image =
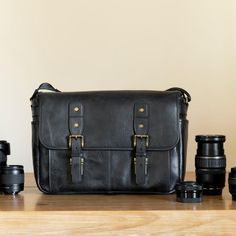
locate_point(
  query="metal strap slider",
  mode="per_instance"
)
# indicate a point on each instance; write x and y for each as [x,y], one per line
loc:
[76,136]
[141,136]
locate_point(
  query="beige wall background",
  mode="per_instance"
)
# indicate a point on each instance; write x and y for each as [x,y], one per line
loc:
[122,44]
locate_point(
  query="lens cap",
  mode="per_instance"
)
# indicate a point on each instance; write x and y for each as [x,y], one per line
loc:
[189,192]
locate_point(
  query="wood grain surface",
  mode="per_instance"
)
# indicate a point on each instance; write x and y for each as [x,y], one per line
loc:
[34,213]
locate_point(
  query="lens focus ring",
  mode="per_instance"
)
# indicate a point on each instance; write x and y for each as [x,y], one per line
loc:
[210,162]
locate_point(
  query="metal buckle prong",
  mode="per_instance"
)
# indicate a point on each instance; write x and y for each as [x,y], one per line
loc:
[76,136]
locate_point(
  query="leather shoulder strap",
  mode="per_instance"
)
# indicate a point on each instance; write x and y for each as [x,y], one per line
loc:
[185,94]
[44,86]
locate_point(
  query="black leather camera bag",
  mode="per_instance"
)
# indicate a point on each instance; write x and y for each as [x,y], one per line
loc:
[109,141]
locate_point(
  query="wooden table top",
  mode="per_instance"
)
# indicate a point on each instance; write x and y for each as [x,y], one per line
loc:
[113,214]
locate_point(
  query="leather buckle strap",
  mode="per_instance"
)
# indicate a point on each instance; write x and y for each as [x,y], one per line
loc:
[76,141]
[77,159]
[141,141]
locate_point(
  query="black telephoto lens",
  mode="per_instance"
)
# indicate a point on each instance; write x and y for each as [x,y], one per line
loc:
[232,183]
[210,163]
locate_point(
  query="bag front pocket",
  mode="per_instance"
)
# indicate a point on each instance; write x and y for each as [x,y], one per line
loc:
[94,178]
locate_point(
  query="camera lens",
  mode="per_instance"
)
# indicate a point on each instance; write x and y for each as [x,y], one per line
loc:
[4,151]
[210,163]
[188,192]
[11,179]
[12,176]
[232,183]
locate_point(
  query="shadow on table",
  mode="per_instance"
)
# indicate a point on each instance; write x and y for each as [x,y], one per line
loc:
[124,203]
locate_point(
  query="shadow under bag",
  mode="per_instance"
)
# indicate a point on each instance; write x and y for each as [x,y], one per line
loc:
[109,141]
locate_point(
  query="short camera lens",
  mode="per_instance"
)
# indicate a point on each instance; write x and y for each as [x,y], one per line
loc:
[12,176]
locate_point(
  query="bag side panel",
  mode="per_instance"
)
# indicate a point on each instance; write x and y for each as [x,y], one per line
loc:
[40,161]
[183,141]
[183,148]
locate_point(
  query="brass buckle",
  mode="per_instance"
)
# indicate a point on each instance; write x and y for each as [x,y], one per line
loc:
[141,136]
[76,136]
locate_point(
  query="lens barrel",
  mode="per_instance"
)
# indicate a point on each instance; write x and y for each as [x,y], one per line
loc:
[4,151]
[210,163]
[232,183]
[11,179]
[188,192]
[11,176]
